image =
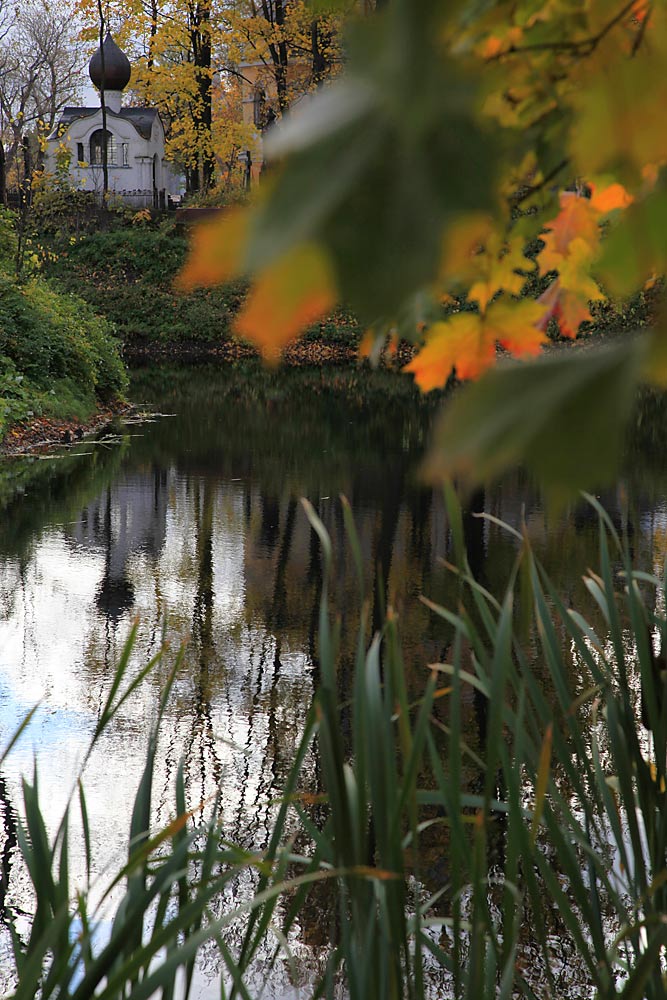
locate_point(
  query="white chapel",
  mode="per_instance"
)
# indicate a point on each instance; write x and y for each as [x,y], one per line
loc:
[138,172]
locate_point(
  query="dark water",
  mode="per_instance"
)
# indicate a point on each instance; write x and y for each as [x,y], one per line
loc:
[192,527]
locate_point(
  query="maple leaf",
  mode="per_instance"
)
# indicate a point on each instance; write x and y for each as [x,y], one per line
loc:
[567,308]
[577,219]
[287,296]
[498,266]
[567,298]
[467,342]
[217,251]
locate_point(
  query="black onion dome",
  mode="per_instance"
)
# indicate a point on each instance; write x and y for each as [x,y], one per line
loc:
[117,69]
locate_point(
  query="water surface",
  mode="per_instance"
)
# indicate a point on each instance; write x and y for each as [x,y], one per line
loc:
[191,526]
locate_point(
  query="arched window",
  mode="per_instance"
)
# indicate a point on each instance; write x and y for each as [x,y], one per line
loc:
[96,146]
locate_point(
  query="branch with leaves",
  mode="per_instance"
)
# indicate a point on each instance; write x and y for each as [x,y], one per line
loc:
[424,174]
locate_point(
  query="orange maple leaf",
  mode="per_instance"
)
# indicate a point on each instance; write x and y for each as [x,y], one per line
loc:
[567,308]
[287,296]
[467,342]
[579,219]
[217,251]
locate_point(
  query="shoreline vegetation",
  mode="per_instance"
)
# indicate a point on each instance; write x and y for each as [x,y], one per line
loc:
[87,303]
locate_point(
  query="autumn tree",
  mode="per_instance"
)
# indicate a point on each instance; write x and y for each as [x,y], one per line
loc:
[282,48]
[39,71]
[190,57]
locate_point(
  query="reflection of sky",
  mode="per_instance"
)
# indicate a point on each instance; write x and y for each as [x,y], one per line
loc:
[49,729]
[38,660]
[230,716]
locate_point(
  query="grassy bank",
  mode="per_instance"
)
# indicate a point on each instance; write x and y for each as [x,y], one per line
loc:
[126,274]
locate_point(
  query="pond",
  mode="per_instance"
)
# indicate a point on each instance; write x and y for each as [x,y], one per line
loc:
[189,528]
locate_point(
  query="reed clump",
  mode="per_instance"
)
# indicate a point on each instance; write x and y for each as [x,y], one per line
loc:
[512,843]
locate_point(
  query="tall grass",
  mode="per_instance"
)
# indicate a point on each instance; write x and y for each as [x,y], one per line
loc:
[520,766]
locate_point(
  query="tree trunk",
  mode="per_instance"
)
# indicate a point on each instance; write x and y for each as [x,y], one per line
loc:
[200,39]
[279,54]
[3,175]
[320,62]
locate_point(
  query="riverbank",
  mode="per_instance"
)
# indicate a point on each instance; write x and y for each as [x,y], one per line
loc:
[310,353]
[44,433]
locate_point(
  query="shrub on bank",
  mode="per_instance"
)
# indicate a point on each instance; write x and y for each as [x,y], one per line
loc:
[126,274]
[57,358]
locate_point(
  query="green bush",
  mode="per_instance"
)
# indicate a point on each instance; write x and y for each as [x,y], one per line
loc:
[126,274]
[59,208]
[8,240]
[51,336]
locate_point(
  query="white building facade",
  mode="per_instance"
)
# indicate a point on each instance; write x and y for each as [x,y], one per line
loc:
[138,172]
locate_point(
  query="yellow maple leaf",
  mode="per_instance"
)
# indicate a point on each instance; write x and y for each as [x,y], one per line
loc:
[498,266]
[287,296]
[467,342]
[516,326]
[567,299]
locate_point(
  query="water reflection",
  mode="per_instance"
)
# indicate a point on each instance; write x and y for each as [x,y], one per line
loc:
[194,529]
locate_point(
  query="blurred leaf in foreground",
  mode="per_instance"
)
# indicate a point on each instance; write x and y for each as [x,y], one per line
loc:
[564,417]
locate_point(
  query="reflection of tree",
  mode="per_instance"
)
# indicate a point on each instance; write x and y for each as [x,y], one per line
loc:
[268,532]
[270,652]
[115,594]
[202,633]
[384,546]
[9,847]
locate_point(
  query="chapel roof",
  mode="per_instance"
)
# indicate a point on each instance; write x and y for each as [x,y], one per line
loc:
[141,118]
[117,68]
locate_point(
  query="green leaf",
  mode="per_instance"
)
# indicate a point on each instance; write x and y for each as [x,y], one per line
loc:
[562,417]
[395,156]
[636,246]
